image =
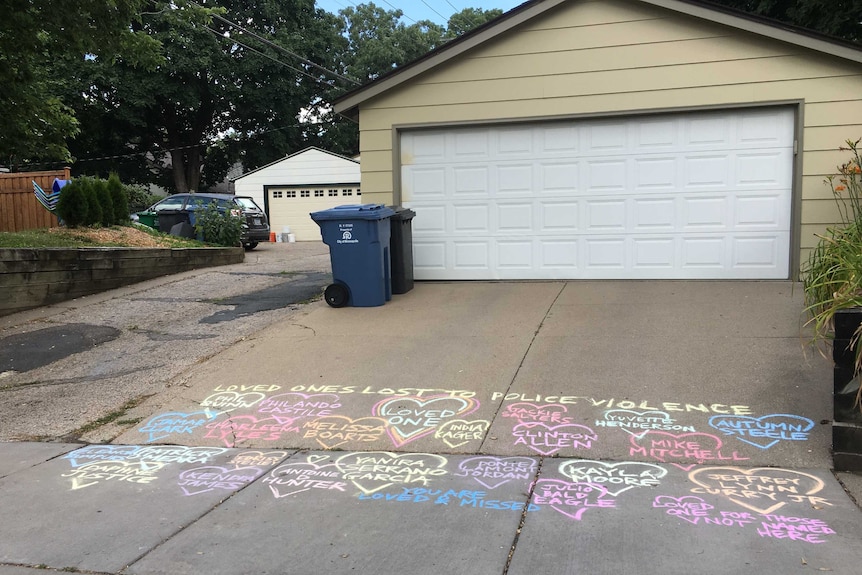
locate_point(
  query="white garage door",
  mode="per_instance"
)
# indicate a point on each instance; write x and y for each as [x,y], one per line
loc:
[700,195]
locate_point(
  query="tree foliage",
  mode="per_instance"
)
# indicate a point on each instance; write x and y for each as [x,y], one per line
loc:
[34,36]
[839,18]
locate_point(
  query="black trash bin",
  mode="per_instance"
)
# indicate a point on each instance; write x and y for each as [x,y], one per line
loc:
[401,249]
[169,218]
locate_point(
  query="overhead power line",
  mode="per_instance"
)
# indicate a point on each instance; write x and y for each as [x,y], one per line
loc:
[282,48]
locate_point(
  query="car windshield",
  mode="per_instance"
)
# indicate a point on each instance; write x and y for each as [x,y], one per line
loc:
[247,203]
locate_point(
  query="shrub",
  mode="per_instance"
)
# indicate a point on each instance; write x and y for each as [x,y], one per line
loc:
[106,203]
[218,227]
[119,199]
[94,209]
[72,207]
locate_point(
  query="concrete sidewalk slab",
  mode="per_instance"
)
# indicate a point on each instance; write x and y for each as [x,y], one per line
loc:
[381,513]
[413,375]
[709,520]
[99,508]
[16,457]
[615,361]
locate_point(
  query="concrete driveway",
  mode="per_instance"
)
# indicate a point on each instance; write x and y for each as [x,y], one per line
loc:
[473,427]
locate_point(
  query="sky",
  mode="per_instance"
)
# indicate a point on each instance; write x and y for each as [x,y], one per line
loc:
[424,9]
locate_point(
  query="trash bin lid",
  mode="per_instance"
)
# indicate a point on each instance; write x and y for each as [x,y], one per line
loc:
[402,213]
[353,212]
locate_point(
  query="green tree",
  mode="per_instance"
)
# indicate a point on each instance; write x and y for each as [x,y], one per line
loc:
[106,203]
[468,19]
[34,35]
[839,18]
[378,42]
[221,94]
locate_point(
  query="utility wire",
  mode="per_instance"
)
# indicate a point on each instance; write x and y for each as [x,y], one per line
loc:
[435,11]
[277,61]
[281,48]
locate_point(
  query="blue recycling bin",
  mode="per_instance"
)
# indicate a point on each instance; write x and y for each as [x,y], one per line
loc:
[358,240]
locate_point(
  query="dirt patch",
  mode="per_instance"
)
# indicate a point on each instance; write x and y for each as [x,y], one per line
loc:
[118,236]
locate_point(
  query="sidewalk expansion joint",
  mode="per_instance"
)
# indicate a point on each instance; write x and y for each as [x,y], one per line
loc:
[523,520]
[521,363]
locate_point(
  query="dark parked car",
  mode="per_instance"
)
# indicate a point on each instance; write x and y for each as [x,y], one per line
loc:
[180,208]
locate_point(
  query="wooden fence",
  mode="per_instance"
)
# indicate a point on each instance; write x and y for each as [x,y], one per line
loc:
[19,208]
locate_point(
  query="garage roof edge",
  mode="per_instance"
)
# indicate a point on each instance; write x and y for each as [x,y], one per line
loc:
[348,104]
[287,157]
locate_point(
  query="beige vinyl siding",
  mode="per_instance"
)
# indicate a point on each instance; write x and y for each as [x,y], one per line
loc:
[610,57]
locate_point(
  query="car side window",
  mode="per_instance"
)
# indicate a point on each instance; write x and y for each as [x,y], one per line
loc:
[172,203]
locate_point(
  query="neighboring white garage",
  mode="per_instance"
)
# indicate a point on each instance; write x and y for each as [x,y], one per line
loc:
[293,187]
[695,195]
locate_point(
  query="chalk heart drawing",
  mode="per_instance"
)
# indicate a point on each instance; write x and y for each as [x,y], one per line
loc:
[335,430]
[227,401]
[549,439]
[410,418]
[298,401]
[364,469]
[778,423]
[137,468]
[681,506]
[239,428]
[706,442]
[615,477]
[83,456]
[629,415]
[212,477]
[715,481]
[513,409]
[492,472]
[295,470]
[458,432]
[176,422]
[571,499]
[316,458]
[265,458]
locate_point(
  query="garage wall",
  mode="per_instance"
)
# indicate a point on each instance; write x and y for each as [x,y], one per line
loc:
[291,206]
[600,57]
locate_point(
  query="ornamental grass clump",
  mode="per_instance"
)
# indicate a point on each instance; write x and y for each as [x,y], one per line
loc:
[832,276]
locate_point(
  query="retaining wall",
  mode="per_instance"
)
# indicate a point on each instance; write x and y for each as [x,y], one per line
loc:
[35,277]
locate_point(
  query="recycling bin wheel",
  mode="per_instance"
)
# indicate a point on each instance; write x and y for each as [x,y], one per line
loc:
[336,295]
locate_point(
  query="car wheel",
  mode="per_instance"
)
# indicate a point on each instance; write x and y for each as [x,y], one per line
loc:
[250,246]
[336,295]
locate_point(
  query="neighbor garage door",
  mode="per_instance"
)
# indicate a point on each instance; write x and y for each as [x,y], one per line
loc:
[696,195]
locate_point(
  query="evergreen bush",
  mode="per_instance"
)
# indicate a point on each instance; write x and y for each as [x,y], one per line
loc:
[72,207]
[119,199]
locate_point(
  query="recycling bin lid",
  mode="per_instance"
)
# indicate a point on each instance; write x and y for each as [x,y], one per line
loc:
[353,212]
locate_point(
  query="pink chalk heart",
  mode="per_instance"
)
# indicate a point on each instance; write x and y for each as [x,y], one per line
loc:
[549,439]
[492,472]
[680,449]
[210,478]
[570,499]
[409,418]
[624,415]
[615,477]
[524,411]
[239,428]
[375,470]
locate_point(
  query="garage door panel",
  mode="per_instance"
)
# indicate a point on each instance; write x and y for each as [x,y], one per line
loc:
[655,174]
[678,196]
[559,216]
